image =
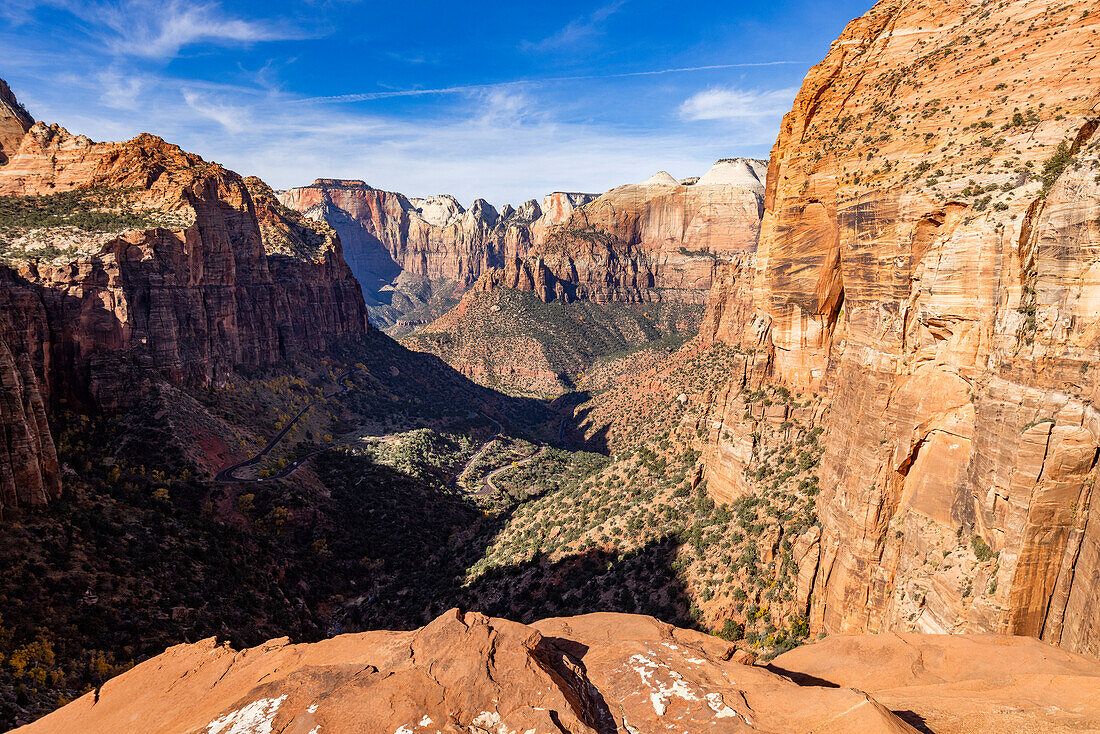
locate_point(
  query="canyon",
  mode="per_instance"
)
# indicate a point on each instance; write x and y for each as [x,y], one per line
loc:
[629,268]
[657,240]
[831,418]
[167,274]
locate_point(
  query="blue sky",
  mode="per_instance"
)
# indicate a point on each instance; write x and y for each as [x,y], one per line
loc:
[503,100]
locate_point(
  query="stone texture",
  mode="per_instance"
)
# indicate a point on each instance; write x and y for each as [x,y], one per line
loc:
[598,673]
[15,121]
[654,241]
[189,304]
[915,267]
[959,684]
[386,234]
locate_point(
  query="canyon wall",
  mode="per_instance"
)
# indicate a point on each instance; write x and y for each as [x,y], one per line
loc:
[15,121]
[415,256]
[659,240]
[152,263]
[928,263]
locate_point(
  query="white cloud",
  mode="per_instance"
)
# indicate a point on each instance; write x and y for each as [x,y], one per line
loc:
[233,118]
[119,91]
[578,31]
[161,30]
[725,103]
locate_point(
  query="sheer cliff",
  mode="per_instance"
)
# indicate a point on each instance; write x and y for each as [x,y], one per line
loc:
[122,261]
[414,256]
[654,241]
[927,263]
[631,267]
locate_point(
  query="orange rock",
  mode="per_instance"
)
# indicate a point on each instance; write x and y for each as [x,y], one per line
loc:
[202,287]
[465,673]
[958,684]
[927,260]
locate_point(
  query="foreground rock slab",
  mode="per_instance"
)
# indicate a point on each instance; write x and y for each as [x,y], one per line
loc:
[472,674]
[596,673]
[959,684]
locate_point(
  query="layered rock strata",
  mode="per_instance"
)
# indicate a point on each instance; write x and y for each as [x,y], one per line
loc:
[156,264]
[654,241]
[15,121]
[927,262]
[432,240]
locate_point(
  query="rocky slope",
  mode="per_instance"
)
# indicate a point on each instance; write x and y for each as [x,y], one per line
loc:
[510,340]
[602,673]
[433,240]
[124,261]
[926,263]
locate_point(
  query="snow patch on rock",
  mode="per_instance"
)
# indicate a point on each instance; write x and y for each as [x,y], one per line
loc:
[255,718]
[661,692]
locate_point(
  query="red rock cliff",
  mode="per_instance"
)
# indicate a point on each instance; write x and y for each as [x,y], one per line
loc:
[654,241]
[193,290]
[927,259]
[386,233]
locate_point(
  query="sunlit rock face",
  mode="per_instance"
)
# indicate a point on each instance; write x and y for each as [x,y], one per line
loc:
[927,260]
[407,251]
[659,240]
[15,121]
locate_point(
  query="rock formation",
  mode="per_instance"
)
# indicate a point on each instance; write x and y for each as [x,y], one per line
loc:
[654,241]
[654,246]
[927,262]
[15,121]
[432,240]
[597,673]
[138,259]
[957,684]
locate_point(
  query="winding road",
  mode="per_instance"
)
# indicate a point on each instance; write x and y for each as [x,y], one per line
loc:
[229,473]
[489,488]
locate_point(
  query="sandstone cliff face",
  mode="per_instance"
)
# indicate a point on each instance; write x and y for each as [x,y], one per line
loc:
[654,241]
[654,246]
[432,241]
[927,262]
[15,121]
[98,308]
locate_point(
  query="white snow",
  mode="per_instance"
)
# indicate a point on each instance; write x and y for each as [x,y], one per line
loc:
[255,718]
[426,721]
[661,692]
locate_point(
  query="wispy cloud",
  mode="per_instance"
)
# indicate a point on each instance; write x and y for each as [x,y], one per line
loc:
[155,29]
[120,91]
[467,88]
[727,103]
[233,118]
[579,31]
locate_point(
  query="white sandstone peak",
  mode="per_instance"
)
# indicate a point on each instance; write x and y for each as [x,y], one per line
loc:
[661,178]
[742,172]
